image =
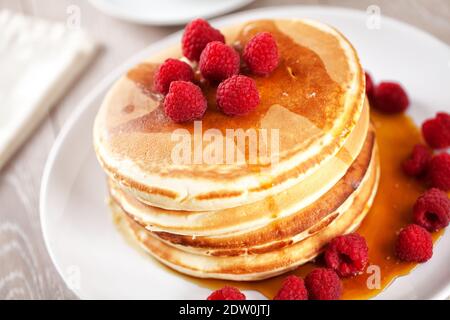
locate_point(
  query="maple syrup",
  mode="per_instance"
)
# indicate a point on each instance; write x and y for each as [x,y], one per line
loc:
[390,212]
[396,136]
[302,86]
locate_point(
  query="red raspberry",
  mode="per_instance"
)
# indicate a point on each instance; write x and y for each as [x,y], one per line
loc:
[261,54]
[348,255]
[417,163]
[439,171]
[293,288]
[369,86]
[390,97]
[237,96]
[172,70]
[184,102]
[197,34]
[227,293]
[432,210]
[437,131]
[218,62]
[414,244]
[323,284]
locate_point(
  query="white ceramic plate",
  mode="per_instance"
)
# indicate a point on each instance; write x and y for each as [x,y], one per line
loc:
[96,262]
[166,12]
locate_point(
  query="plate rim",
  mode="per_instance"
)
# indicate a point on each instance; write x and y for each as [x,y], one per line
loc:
[112,11]
[107,80]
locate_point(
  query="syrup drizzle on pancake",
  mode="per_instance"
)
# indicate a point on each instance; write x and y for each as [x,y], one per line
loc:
[314,98]
[301,84]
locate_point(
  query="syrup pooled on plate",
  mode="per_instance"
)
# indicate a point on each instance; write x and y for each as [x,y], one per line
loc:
[390,212]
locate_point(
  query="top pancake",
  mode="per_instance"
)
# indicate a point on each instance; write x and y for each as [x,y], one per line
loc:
[314,99]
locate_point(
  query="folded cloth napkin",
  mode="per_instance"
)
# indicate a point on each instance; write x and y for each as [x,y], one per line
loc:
[38,61]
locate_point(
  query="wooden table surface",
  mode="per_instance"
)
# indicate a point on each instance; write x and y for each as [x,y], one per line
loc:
[26,271]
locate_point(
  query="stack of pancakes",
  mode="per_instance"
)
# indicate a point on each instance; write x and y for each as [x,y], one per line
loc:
[242,220]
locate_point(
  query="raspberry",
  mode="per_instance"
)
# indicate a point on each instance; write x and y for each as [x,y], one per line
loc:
[237,96]
[218,62]
[414,244]
[432,210]
[323,284]
[293,288]
[184,102]
[347,255]
[439,171]
[437,131]
[390,97]
[172,70]
[227,293]
[261,54]
[369,86]
[417,163]
[197,34]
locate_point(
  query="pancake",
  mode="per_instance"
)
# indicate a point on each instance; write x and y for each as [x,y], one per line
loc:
[258,266]
[314,99]
[250,216]
[282,231]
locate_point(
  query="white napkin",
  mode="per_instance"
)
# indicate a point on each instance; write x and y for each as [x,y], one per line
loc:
[38,61]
